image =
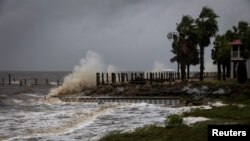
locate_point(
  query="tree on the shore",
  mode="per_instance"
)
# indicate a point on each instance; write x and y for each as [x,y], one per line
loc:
[206,28]
[175,51]
[221,54]
[184,45]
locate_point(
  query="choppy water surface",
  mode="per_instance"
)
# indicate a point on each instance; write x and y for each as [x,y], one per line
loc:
[27,115]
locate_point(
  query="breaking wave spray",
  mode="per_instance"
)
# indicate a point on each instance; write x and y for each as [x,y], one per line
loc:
[83,76]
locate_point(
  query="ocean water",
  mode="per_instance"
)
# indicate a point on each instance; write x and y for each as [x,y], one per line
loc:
[25,114]
[30,76]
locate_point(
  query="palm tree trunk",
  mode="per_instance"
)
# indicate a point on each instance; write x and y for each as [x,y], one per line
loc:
[218,71]
[188,68]
[228,69]
[224,71]
[178,70]
[183,72]
[201,62]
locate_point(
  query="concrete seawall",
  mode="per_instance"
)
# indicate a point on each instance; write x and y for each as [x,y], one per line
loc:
[151,100]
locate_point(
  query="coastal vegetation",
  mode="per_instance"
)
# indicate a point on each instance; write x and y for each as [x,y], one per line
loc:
[191,33]
[235,111]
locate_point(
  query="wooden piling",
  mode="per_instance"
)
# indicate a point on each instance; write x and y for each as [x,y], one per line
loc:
[107,78]
[113,77]
[3,81]
[122,77]
[58,83]
[161,77]
[9,79]
[119,77]
[20,82]
[97,79]
[47,82]
[25,82]
[36,81]
[151,77]
[126,77]
[103,78]
[141,77]
[132,76]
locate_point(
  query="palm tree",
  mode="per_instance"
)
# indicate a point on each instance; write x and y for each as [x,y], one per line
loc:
[184,45]
[207,28]
[214,54]
[175,51]
[188,41]
[221,55]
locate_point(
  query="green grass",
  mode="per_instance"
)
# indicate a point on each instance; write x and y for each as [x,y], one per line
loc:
[153,133]
[230,114]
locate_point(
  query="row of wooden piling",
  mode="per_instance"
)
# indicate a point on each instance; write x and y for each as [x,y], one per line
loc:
[104,78]
[24,81]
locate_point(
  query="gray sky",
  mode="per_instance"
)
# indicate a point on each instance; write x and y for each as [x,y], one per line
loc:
[129,34]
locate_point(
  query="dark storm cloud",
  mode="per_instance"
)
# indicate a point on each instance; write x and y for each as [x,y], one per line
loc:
[130,34]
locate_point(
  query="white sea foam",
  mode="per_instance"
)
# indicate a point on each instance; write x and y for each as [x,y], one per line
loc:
[88,121]
[192,120]
[83,76]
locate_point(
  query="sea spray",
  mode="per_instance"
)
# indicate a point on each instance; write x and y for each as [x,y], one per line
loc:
[159,67]
[83,76]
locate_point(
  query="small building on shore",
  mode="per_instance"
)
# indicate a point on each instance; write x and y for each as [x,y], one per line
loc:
[237,50]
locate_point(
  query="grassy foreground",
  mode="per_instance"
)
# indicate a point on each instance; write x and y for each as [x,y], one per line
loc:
[236,112]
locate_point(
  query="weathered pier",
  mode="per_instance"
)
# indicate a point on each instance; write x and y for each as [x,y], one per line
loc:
[143,77]
[24,81]
[151,100]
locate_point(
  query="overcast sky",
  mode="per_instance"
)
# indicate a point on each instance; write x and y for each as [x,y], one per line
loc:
[129,34]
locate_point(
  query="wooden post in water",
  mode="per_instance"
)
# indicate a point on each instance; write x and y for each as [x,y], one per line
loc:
[119,77]
[167,75]
[14,79]
[20,82]
[97,79]
[3,80]
[147,75]
[36,81]
[161,77]
[102,78]
[151,77]
[141,77]
[9,79]
[122,76]
[113,78]
[107,78]
[132,76]
[47,82]
[126,77]
[25,82]
[58,82]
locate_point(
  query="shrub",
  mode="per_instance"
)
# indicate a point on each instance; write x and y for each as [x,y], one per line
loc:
[173,120]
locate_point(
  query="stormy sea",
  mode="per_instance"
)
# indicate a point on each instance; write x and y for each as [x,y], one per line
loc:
[25,114]
[30,110]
